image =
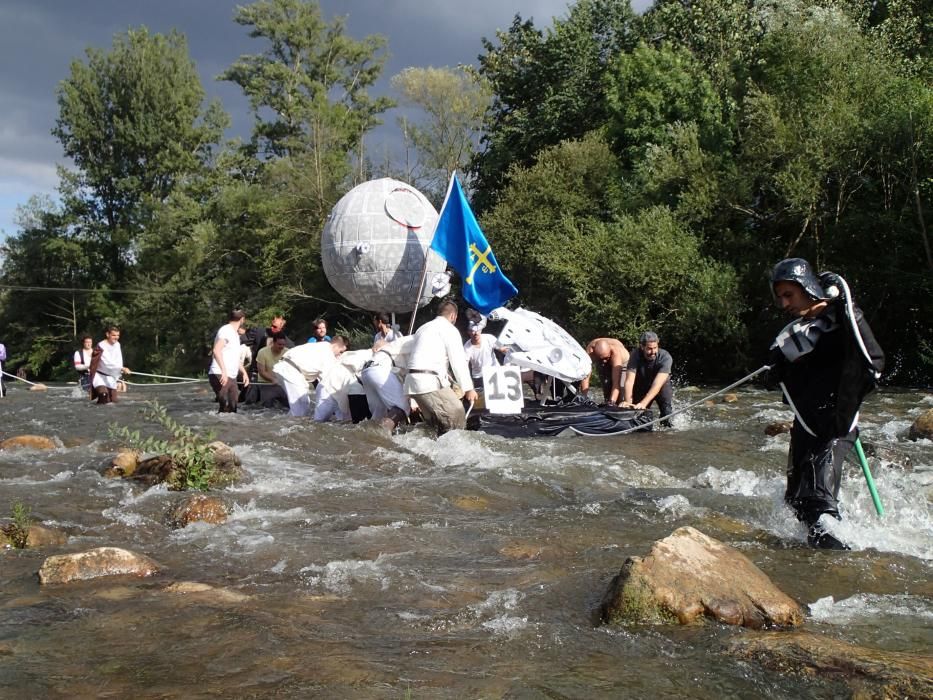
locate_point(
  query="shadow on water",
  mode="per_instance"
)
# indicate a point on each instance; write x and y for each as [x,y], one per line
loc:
[359,564]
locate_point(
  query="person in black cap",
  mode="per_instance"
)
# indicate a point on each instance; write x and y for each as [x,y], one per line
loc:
[826,361]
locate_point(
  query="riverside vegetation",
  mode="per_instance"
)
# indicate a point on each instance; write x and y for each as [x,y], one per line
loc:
[631,171]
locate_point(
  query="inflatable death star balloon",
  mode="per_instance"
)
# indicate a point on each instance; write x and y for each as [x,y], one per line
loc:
[374,244]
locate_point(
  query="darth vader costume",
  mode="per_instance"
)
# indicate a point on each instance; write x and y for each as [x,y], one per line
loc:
[825,365]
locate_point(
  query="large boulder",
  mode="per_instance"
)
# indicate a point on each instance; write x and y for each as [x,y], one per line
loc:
[871,673]
[95,563]
[32,442]
[922,427]
[688,576]
[199,508]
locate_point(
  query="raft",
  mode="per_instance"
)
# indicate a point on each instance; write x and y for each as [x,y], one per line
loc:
[551,421]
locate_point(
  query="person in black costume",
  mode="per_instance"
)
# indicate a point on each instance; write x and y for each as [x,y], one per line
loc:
[826,361]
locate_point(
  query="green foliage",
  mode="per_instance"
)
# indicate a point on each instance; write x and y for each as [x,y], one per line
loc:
[454,102]
[562,226]
[312,77]
[649,90]
[548,86]
[130,119]
[18,530]
[189,451]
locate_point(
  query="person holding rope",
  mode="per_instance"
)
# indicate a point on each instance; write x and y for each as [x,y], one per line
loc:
[225,363]
[82,362]
[826,361]
[107,367]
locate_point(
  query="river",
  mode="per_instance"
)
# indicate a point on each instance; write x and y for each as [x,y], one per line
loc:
[371,565]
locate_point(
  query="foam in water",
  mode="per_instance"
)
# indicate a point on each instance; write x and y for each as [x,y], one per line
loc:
[740,482]
[868,607]
[674,507]
[340,576]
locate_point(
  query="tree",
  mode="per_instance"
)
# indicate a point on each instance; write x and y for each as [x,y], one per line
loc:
[651,88]
[562,234]
[131,120]
[454,101]
[308,89]
[547,87]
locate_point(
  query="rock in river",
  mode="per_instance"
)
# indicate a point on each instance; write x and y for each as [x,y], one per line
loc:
[922,427]
[102,561]
[32,442]
[687,576]
[199,508]
[871,673]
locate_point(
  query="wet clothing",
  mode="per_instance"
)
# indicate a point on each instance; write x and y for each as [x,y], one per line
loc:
[227,394]
[824,376]
[645,371]
[436,346]
[105,370]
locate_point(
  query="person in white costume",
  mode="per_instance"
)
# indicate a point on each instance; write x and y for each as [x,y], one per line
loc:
[107,366]
[302,365]
[380,379]
[438,345]
[332,399]
[480,349]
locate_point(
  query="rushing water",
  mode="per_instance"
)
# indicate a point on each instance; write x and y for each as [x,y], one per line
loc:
[369,565]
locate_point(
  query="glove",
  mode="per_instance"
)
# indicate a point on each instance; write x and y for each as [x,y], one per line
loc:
[776,362]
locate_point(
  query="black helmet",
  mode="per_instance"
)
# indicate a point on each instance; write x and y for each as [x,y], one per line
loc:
[798,270]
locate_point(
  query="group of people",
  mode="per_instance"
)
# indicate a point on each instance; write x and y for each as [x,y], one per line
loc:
[633,380]
[825,361]
[100,367]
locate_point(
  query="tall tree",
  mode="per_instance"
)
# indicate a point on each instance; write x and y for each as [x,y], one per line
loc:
[453,101]
[131,120]
[548,86]
[308,89]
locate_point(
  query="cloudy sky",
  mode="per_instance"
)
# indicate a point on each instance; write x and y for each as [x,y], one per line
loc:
[40,38]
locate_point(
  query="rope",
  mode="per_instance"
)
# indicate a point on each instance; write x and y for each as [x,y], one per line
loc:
[168,376]
[13,376]
[763,368]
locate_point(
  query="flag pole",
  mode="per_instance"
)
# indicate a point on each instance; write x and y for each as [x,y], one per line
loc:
[424,269]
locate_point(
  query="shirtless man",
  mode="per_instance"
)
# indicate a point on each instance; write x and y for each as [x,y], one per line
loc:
[610,358]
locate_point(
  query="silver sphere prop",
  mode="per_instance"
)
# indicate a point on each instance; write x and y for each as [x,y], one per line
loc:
[374,243]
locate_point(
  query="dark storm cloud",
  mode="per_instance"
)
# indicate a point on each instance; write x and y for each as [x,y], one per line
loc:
[40,38]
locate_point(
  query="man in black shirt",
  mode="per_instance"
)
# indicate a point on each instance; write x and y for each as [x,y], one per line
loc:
[648,377]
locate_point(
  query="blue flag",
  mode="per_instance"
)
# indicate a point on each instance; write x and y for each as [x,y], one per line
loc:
[460,241]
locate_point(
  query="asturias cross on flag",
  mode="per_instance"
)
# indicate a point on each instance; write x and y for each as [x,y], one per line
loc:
[460,241]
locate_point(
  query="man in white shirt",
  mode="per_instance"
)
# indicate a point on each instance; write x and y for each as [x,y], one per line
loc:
[480,349]
[302,365]
[107,366]
[225,363]
[438,345]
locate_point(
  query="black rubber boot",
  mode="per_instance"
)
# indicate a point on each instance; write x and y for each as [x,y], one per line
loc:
[819,538]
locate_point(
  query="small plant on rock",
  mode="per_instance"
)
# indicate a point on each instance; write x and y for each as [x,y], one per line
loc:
[18,530]
[189,451]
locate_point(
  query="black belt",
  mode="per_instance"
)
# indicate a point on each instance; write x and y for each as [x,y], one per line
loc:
[370,363]
[423,371]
